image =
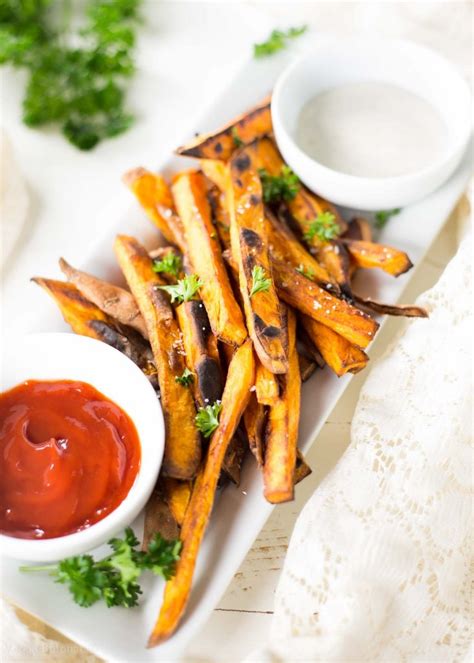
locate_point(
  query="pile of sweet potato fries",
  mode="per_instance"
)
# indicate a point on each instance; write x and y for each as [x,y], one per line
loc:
[251,293]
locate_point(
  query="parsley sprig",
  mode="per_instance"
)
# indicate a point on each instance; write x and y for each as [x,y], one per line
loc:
[238,142]
[276,188]
[207,418]
[186,378]
[76,77]
[169,264]
[260,281]
[324,227]
[383,216]
[114,578]
[277,41]
[184,290]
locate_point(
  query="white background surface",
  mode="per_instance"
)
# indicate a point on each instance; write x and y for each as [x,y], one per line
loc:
[187,53]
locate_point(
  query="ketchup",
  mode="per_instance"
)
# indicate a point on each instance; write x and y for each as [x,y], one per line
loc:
[68,457]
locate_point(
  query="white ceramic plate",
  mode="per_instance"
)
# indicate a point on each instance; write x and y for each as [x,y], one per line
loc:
[239,514]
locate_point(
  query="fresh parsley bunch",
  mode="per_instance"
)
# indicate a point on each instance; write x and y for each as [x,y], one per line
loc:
[114,578]
[76,78]
[276,188]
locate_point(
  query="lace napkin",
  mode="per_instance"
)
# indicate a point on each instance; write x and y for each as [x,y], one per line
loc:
[379,566]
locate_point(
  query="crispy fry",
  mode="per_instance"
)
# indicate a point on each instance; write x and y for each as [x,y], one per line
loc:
[115,301]
[225,316]
[266,384]
[390,309]
[177,495]
[235,398]
[254,421]
[222,144]
[266,325]
[202,356]
[154,195]
[370,255]
[182,445]
[234,456]
[159,517]
[358,228]
[307,367]
[302,469]
[281,435]
[340,355]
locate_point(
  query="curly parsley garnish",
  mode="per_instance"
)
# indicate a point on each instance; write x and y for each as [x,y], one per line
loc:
[114,578]
[169,264]
[277,41]
[260,282]
[184,290]
[76,76]
[383,216]
[306,272]
[207,418]
[324,227]
[275,188]
[186,378]
[238,142]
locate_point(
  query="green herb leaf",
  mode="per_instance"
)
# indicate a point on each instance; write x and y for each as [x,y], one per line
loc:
[169,264]
[207,418]
[277,41]
[260,282]
[383,216]
[184,290]
[186,378]
[324,227]
[114,577]
[276,188]
[238,142]
[307,273]
[76,76]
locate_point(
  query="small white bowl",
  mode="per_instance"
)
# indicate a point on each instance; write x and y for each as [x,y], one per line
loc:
[66,356]
[336,61]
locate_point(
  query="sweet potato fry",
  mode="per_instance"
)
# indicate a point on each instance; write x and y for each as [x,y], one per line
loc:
[358,228]
[339,354]
[234,456]
[177,495]
[241,130]
[159,517]
[306,297]
[234,401]
[182,444]
[254,421]
[220,215]
[302,469]
[307,367]
[225,316]
[115,301]
[265,322]
[281,435]
[390,309]
[217,172]
[202,356]
[370,255]
[266,385]
[154,195]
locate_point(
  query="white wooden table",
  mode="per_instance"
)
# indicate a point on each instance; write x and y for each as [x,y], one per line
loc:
[67,192]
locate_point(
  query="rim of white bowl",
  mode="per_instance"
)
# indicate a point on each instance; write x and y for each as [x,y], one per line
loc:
[150,460]
[329,39]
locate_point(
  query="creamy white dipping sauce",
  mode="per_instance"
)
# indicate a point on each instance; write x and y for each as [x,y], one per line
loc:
[371,130]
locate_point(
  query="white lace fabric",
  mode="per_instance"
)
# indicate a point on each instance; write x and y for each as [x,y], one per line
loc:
[379,567]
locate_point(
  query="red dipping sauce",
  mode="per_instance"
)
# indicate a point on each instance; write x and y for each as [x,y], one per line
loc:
[69,457]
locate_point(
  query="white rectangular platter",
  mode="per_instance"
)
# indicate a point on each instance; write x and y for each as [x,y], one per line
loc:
[239,514]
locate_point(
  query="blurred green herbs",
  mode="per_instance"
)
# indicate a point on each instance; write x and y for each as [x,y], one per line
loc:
[78,58]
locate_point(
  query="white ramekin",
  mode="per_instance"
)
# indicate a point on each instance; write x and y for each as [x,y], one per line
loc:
[336,61]
[63,356]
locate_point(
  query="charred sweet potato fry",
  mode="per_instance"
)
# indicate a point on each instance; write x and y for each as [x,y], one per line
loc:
[254,421]
[234,456]
[115,301]
[266,385]
[339,354]
[241,130]
[177,495]
[307,367]
[202,356]
[281,434]
[182,444]
[302,469]
[390,309]
[159,517]
[225,316]
[371,255]
[265,322]
[240,378]
[154,195]
[358,228]
[306,297]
